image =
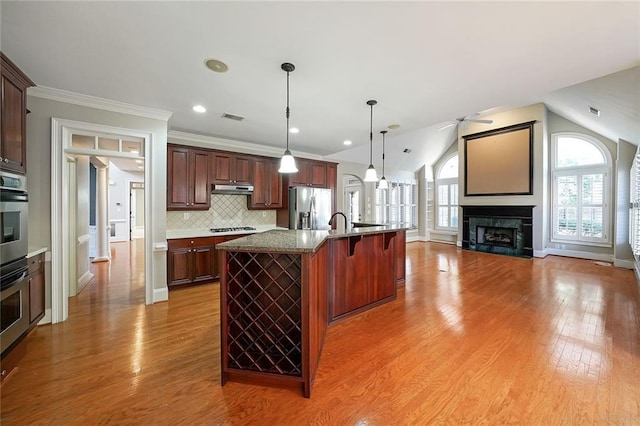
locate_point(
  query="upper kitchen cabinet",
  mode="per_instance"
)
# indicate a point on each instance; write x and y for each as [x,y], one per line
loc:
[267,185]
[228,168]
[188,185]
[310,173]
[13,139]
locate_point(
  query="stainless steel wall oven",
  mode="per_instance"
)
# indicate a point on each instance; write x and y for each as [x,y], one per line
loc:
[14,282]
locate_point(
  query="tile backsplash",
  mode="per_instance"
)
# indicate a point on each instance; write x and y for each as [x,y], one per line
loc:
[226,211]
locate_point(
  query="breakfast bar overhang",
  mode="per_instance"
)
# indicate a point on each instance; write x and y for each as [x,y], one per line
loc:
[280,290]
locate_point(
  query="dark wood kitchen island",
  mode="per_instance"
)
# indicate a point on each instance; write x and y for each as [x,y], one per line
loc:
[280,290]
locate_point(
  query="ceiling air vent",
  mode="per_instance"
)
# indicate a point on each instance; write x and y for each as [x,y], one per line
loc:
[594,111]
[232,116]
[407,151]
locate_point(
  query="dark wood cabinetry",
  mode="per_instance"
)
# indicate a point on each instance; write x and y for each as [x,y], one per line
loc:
[267,185]
[36,290]
[310,173]
[229,168]
[194,260]
[191,261]
[13,111]
[273,316]
[188,185]
[364,273]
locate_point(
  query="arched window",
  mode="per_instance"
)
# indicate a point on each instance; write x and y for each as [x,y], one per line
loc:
[581,168]
[447,194]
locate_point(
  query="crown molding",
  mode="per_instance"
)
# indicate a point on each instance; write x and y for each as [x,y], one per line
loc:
[211,142]
[98,103]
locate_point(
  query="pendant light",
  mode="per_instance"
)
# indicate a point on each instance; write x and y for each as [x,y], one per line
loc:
[371,175]
[383,181]
[287,163]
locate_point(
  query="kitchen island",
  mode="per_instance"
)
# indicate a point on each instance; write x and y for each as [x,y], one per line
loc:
[280,290]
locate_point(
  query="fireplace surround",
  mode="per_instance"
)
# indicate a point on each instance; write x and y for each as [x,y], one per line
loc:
[504,230]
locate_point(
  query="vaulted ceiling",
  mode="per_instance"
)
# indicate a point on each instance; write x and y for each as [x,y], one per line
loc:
[426,63]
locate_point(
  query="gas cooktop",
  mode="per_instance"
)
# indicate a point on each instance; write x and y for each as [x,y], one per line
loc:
[239,228]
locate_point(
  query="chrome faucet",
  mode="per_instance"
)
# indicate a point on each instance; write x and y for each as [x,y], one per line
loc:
[334,215]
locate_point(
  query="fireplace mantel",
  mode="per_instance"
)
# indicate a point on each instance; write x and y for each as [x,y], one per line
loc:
[518,217]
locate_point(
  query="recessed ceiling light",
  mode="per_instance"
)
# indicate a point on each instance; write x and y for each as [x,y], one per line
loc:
[139,161]
[347,142]
[216,65]
[393,126]
[594,111]
[294,130]
[199,108]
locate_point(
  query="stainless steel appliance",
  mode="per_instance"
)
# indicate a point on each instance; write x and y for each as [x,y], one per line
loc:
[14,281]
[232,189]
[309,208]
[14,302]
[13,217]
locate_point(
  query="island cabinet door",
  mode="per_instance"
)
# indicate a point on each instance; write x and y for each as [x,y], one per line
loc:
[351,276]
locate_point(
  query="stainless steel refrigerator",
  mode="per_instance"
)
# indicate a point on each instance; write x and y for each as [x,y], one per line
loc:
[309,208]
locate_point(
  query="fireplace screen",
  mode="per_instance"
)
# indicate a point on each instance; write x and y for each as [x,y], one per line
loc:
[496,236]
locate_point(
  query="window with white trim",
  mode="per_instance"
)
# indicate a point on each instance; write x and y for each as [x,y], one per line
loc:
[398,204]
[581,171]
[447,195]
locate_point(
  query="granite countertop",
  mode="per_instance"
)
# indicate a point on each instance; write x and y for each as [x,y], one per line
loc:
[298,241]
[195,233]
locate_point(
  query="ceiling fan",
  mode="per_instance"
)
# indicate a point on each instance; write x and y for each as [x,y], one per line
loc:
[464,120]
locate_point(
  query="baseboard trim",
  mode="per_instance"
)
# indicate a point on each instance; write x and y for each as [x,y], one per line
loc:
[580,254]
[540,253]
[100,259]
[160,295]
[459,244]
[46,319]
[623,263]
[413,238]
[84,280]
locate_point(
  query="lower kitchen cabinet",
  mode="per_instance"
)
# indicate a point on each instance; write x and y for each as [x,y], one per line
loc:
[194,260]
[36,289]
[191,261]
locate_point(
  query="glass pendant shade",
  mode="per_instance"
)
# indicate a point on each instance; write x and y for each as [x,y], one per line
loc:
[383,183]
[371,175]
[287,163]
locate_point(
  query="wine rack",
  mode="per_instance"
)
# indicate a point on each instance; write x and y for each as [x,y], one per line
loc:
[264,313]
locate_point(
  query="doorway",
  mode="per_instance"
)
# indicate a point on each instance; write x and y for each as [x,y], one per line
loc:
[353,196]
[136,210]
[99,141]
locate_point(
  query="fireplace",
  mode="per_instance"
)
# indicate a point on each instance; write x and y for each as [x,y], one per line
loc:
[496,236]
[498,229]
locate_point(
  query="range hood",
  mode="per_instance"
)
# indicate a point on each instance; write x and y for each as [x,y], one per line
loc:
[232,189]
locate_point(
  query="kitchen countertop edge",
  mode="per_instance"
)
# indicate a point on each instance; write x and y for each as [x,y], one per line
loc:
[298,241]
[34,251]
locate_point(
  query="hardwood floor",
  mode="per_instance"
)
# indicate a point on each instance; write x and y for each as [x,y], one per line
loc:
[472,338]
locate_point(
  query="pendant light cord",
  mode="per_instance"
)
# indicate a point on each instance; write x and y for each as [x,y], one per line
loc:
[287,111]
[371,137]
[383,133]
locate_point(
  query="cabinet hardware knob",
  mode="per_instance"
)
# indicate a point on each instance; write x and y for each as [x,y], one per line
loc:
[191,242]
[3,373]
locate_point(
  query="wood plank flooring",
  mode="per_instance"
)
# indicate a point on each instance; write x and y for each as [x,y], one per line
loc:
[473,338]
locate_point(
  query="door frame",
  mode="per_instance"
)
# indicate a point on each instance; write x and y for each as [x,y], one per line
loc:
[62,131]
[131,184]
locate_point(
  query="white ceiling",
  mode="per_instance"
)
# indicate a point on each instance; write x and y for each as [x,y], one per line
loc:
[426,63]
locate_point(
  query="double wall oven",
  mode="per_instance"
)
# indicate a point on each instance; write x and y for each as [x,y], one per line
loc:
[14,281]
